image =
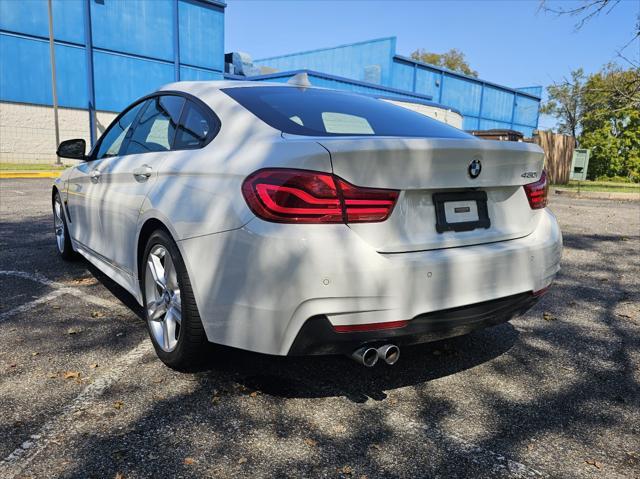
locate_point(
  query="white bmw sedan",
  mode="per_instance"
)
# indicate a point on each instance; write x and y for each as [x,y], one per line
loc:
[294,220]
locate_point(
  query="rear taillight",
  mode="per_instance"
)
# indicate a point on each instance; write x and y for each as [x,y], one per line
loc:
[537,192]
[302,196]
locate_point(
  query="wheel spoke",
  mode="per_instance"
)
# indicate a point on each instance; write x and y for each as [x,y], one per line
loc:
[155,309]
[157,270]
[176,312]
[165,333]
[170,275]
[171,322]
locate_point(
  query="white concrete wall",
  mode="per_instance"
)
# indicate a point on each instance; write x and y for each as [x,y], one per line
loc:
[442,114]
[27,132]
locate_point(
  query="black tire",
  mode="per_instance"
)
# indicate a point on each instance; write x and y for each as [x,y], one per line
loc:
[192,342]
[63,245]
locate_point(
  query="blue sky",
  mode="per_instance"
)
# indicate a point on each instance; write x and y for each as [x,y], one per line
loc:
[507,42]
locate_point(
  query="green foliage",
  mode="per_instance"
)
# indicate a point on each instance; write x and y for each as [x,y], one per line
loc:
[611,123]
[603,112]
[453,60]
[614,179]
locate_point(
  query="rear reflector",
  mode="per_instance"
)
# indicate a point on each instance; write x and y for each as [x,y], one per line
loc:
[359,328]
[537,192]
[302,196]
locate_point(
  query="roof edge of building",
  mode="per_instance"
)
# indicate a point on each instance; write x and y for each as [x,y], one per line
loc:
[462,75]
[315,50]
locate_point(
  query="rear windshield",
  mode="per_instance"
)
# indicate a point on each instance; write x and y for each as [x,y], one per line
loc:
[318,112]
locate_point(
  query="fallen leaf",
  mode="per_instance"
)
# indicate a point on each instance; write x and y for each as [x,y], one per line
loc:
[118,404]
[35,353]
[348,470]
[71,374]
[242,460]
[593,463]
[548,316]
[311,442]
[189,461]
[97,314]
[84,281]
[93,366]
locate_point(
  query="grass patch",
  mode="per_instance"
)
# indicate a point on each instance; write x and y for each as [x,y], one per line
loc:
[603,186]
[31,167]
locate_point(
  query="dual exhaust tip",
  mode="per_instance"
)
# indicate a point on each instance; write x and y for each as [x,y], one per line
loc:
[368,356]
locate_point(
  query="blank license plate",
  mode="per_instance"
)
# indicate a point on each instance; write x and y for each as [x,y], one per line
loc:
[461,211]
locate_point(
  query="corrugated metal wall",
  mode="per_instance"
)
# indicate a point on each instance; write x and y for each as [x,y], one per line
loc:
[134,49]
[483,104]
[319,79]
[340,60]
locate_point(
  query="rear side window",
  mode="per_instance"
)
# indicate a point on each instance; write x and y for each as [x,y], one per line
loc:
[156,127]
[194,129]
[318,112]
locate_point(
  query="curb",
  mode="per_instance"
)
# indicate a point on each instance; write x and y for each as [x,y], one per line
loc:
[598,195]
[29,174]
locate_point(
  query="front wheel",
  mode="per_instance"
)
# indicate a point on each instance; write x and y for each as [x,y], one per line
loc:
[173,320]
[63,239]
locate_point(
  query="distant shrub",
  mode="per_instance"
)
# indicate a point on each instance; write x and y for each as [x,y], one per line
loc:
[616,179]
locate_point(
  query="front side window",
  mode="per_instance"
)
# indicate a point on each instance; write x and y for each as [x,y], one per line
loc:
[320,112]
[156,127]
[194,128]
[113,140]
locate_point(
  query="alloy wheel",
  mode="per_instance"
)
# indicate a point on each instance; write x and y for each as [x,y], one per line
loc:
[162,294]
[58,224]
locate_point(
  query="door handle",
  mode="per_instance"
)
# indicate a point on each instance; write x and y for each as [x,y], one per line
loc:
[143,173]
[95,175]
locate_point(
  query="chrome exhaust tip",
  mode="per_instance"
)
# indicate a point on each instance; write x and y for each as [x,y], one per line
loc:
[366,356]
[390,353]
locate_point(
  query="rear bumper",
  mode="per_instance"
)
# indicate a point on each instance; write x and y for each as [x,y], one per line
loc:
[256,287]
[318,336]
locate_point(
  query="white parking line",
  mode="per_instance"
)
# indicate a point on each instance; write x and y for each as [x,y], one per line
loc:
[30,305]
[16,462]
[59,289]
[499,464]
[22,456]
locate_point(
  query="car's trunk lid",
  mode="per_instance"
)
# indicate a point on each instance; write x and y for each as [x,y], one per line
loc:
[421,168]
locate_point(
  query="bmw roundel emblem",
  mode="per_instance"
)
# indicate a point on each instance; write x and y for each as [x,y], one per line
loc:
[475,167]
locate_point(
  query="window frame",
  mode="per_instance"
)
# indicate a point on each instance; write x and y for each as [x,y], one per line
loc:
[216,123]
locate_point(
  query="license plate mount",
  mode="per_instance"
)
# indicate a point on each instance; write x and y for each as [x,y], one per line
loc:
[461,211]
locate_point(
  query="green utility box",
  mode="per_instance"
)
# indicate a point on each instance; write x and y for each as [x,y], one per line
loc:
[579,164]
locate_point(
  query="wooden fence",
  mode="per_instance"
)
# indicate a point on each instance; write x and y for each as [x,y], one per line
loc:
[558,152]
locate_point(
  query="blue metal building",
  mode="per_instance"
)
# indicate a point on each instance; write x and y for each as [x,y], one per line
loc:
[484,105]
[108,52]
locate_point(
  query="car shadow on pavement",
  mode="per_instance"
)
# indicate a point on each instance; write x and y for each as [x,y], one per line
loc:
[330,376]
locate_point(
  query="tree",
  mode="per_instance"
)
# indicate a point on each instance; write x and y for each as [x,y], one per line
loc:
[453,60]
[565,103]
[587,10]
[611,122]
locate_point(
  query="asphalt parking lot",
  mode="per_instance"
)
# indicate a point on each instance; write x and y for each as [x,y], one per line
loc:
[555,393]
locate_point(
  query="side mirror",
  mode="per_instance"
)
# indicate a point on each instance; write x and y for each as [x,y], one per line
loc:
[73,149]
